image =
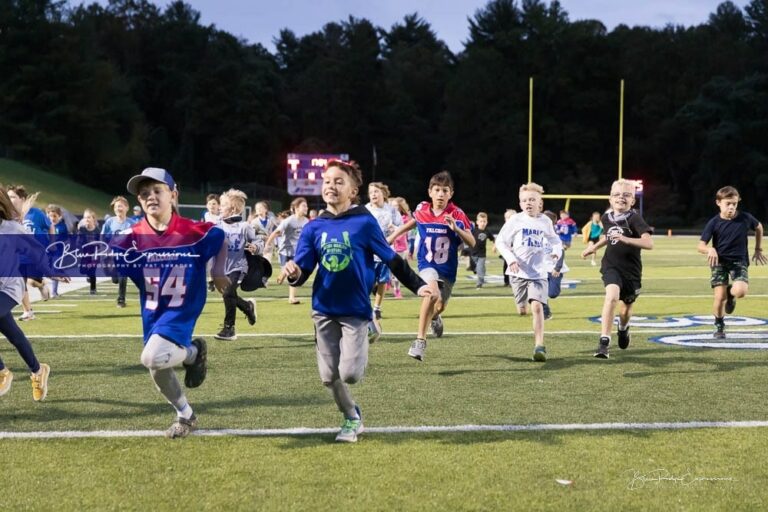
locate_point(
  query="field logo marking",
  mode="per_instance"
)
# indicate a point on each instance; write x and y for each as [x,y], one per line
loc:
[739,341]
[678,322]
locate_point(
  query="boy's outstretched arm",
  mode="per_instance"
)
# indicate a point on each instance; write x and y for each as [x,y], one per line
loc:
[465,235]
[594,247]
[399,231]
[644,242]
[758,256]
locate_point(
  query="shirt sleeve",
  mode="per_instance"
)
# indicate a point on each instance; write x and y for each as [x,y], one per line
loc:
[504,242]
[706,235]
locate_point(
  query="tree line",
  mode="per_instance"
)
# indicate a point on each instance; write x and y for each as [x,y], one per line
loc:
[96,92]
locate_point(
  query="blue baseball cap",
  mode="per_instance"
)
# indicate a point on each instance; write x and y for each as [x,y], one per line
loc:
[151,173]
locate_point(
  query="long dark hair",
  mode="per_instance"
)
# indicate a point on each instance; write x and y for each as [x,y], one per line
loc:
[7,210]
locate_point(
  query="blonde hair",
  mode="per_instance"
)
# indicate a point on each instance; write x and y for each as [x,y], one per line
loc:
[119,199]
[482,215]
[381,186]
[532,187]
[402,205]
[89,211]
[237,198]
[624,183]
[53,208]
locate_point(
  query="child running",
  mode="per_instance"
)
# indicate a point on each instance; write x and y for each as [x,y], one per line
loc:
[290,230]
[172,252]
[626,233]
[523,242]
[389,219]
[400,245]
[12,290]
[443,226]
[111,227]
[728,257]
[240,237]
[341,243]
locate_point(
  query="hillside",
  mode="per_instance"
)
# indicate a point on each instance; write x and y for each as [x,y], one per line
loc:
[54,188]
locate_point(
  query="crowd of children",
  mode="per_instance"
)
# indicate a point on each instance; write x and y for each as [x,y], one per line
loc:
[355,252]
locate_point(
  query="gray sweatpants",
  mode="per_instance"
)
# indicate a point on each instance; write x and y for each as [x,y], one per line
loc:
[342,355]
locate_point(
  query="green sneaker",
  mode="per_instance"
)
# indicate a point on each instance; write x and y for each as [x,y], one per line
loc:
[540,353]
[351,428]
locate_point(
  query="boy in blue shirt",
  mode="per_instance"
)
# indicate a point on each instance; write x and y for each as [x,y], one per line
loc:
[341,243]
[729,256]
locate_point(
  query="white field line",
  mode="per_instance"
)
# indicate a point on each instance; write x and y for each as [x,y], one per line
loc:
[638,330]
[306,431]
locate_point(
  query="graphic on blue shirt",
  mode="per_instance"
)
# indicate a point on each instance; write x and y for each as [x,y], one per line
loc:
[336,255]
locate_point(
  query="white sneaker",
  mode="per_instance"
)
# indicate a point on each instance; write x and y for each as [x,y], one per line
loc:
[418,347]
[594,263]
[27,315]
[45,291]
[6,378]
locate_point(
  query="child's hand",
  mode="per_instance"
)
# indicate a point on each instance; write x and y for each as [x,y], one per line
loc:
[555,273]
[758,257]
[586,252]
[712,257]
[450,221]
[513,267]
[291,271]
[221,283]
[251,248]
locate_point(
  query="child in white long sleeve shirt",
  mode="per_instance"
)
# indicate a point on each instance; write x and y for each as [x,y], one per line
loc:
[521,243]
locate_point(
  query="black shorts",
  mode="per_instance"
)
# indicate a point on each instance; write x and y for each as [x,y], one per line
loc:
[629,288]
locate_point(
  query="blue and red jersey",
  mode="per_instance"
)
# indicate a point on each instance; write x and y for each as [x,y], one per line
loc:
[168,268]
[439,244]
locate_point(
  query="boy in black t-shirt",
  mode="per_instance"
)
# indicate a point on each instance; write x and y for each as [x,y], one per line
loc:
[478,252]
[729,257]
[626,233]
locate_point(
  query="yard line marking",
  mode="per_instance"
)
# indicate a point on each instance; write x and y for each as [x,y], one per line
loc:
[307,431]
[404,333]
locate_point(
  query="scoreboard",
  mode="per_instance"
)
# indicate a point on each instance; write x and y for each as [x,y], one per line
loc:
[305,172]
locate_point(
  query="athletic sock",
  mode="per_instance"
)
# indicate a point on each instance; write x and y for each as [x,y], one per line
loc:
[191,355]
[185,411]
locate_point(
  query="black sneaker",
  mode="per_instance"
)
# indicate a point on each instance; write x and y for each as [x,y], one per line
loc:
[624,338]
[730,302]
[211,287]
[121,303]
[547,311]
[719,333]
[226,333]
[602,348]
[197,371]
[377,314]
[250,313]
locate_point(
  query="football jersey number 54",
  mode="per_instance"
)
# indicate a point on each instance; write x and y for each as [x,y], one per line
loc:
[172,287]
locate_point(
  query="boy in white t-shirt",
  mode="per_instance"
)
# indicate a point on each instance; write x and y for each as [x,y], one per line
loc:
[523,243]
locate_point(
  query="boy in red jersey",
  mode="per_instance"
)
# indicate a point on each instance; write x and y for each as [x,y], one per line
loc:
[442,226]
[165,255]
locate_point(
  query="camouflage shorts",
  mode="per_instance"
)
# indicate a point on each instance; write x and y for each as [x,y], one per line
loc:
[734,270]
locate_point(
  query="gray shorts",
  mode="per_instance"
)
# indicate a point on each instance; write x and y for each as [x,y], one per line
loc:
[526,290]
[446,287]
[342,347]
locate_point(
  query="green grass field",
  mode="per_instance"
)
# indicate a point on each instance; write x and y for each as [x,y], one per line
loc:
[479,373]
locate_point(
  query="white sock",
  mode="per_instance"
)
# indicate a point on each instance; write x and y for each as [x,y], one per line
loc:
[185,412]
[191,355]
